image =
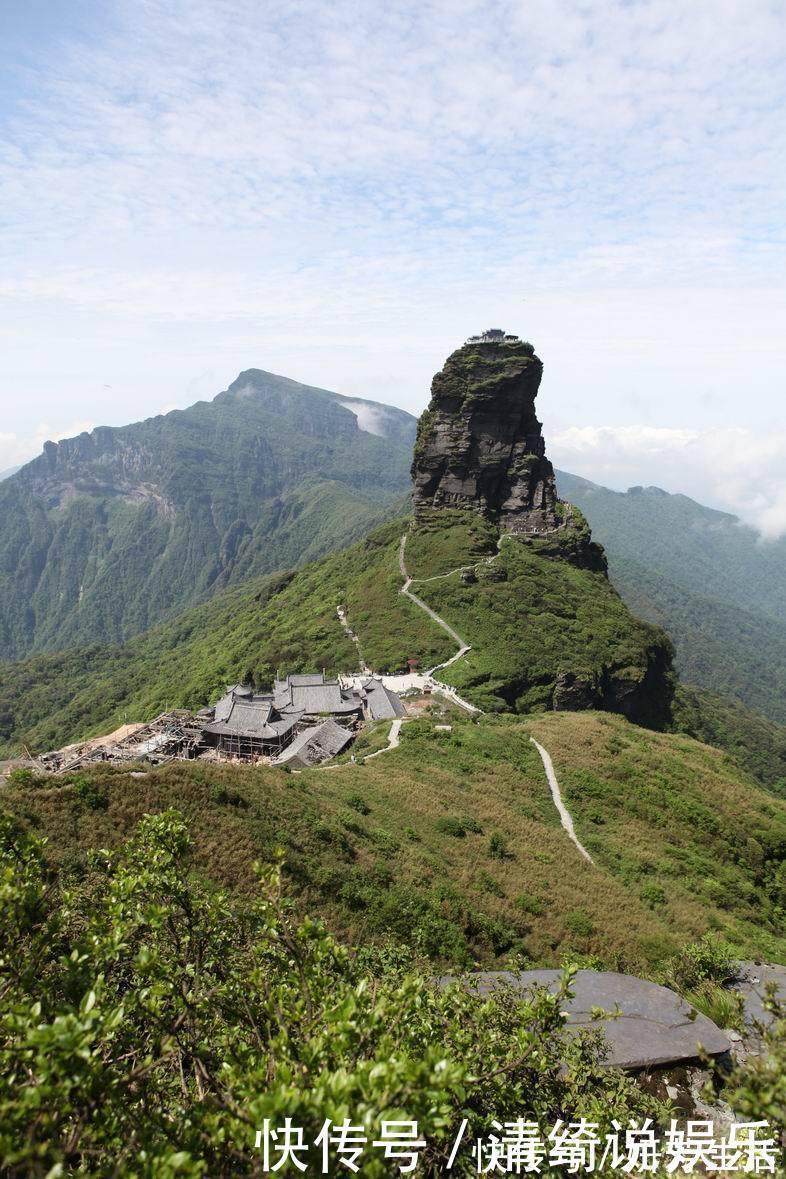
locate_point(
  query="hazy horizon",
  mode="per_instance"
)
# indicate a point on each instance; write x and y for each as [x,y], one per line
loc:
[342,195]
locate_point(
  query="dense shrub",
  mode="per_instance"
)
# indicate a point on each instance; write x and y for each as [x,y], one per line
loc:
[128,1047]
[529,904]
[498,847]
[579,922]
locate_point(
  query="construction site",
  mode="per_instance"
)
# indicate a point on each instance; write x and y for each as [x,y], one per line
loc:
[304,721]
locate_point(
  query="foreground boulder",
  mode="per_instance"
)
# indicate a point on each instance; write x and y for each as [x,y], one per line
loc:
[655,1027]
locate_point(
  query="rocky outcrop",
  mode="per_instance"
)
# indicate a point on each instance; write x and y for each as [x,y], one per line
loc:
[479,443]
[648,1027]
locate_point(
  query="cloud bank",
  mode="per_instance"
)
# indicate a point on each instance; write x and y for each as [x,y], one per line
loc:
[733,469]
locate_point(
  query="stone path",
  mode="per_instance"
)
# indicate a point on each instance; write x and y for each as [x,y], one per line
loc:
[342,617]
[465,568]
[564,814]
[394,737]
[428,680]
[405,590]
[655,1027]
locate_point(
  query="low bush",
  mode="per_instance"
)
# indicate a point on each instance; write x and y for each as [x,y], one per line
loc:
[450,825]
[498,847]
[579,923]
[711,959]
[529,904]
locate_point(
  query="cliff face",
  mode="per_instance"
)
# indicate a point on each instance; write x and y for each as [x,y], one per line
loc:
[479,443]
[569,641]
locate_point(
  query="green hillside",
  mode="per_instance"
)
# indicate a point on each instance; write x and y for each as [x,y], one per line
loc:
[707,579]
[718,647]
[754,741]
[540,619]
[694,546]
[106,534]
[525,630]
[545,630]
[452,845]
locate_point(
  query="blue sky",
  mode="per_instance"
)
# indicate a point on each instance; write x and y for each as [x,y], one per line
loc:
[343,192]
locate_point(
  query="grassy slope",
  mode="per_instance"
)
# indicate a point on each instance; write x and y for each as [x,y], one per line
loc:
[682,842]
[572,619]
[757,743]
[528,617]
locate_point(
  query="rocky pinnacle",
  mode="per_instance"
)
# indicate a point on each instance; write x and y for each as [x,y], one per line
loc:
[479,443]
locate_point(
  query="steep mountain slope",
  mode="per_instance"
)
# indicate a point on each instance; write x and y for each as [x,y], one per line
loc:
[547,622]
[451,843]
[719,647]
[105,534]
[754,741]
[705,578]
[698,548]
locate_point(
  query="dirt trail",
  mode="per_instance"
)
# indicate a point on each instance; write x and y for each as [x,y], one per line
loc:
[463,647]
[564,814]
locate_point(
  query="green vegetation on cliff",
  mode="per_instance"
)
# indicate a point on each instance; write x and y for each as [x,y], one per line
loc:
[547,619]
[536,618]
[707,579]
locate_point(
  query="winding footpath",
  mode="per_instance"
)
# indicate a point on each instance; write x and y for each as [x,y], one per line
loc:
[394,736]
[463,647]
[564,813]
[394,740]
[405,590]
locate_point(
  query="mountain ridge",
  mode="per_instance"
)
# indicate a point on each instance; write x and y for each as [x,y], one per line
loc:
[105,534]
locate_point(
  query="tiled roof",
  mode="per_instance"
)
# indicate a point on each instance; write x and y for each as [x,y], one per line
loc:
[315,745]
[248,718]
[382,704]
[313,694]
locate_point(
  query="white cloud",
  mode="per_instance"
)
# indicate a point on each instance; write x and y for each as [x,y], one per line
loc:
[374,419]
[342,192]
[736,469]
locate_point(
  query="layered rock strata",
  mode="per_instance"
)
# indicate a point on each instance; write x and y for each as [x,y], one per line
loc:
[479,443]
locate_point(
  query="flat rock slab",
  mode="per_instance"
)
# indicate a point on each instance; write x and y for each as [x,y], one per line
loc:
[752,984]
[655,1026]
